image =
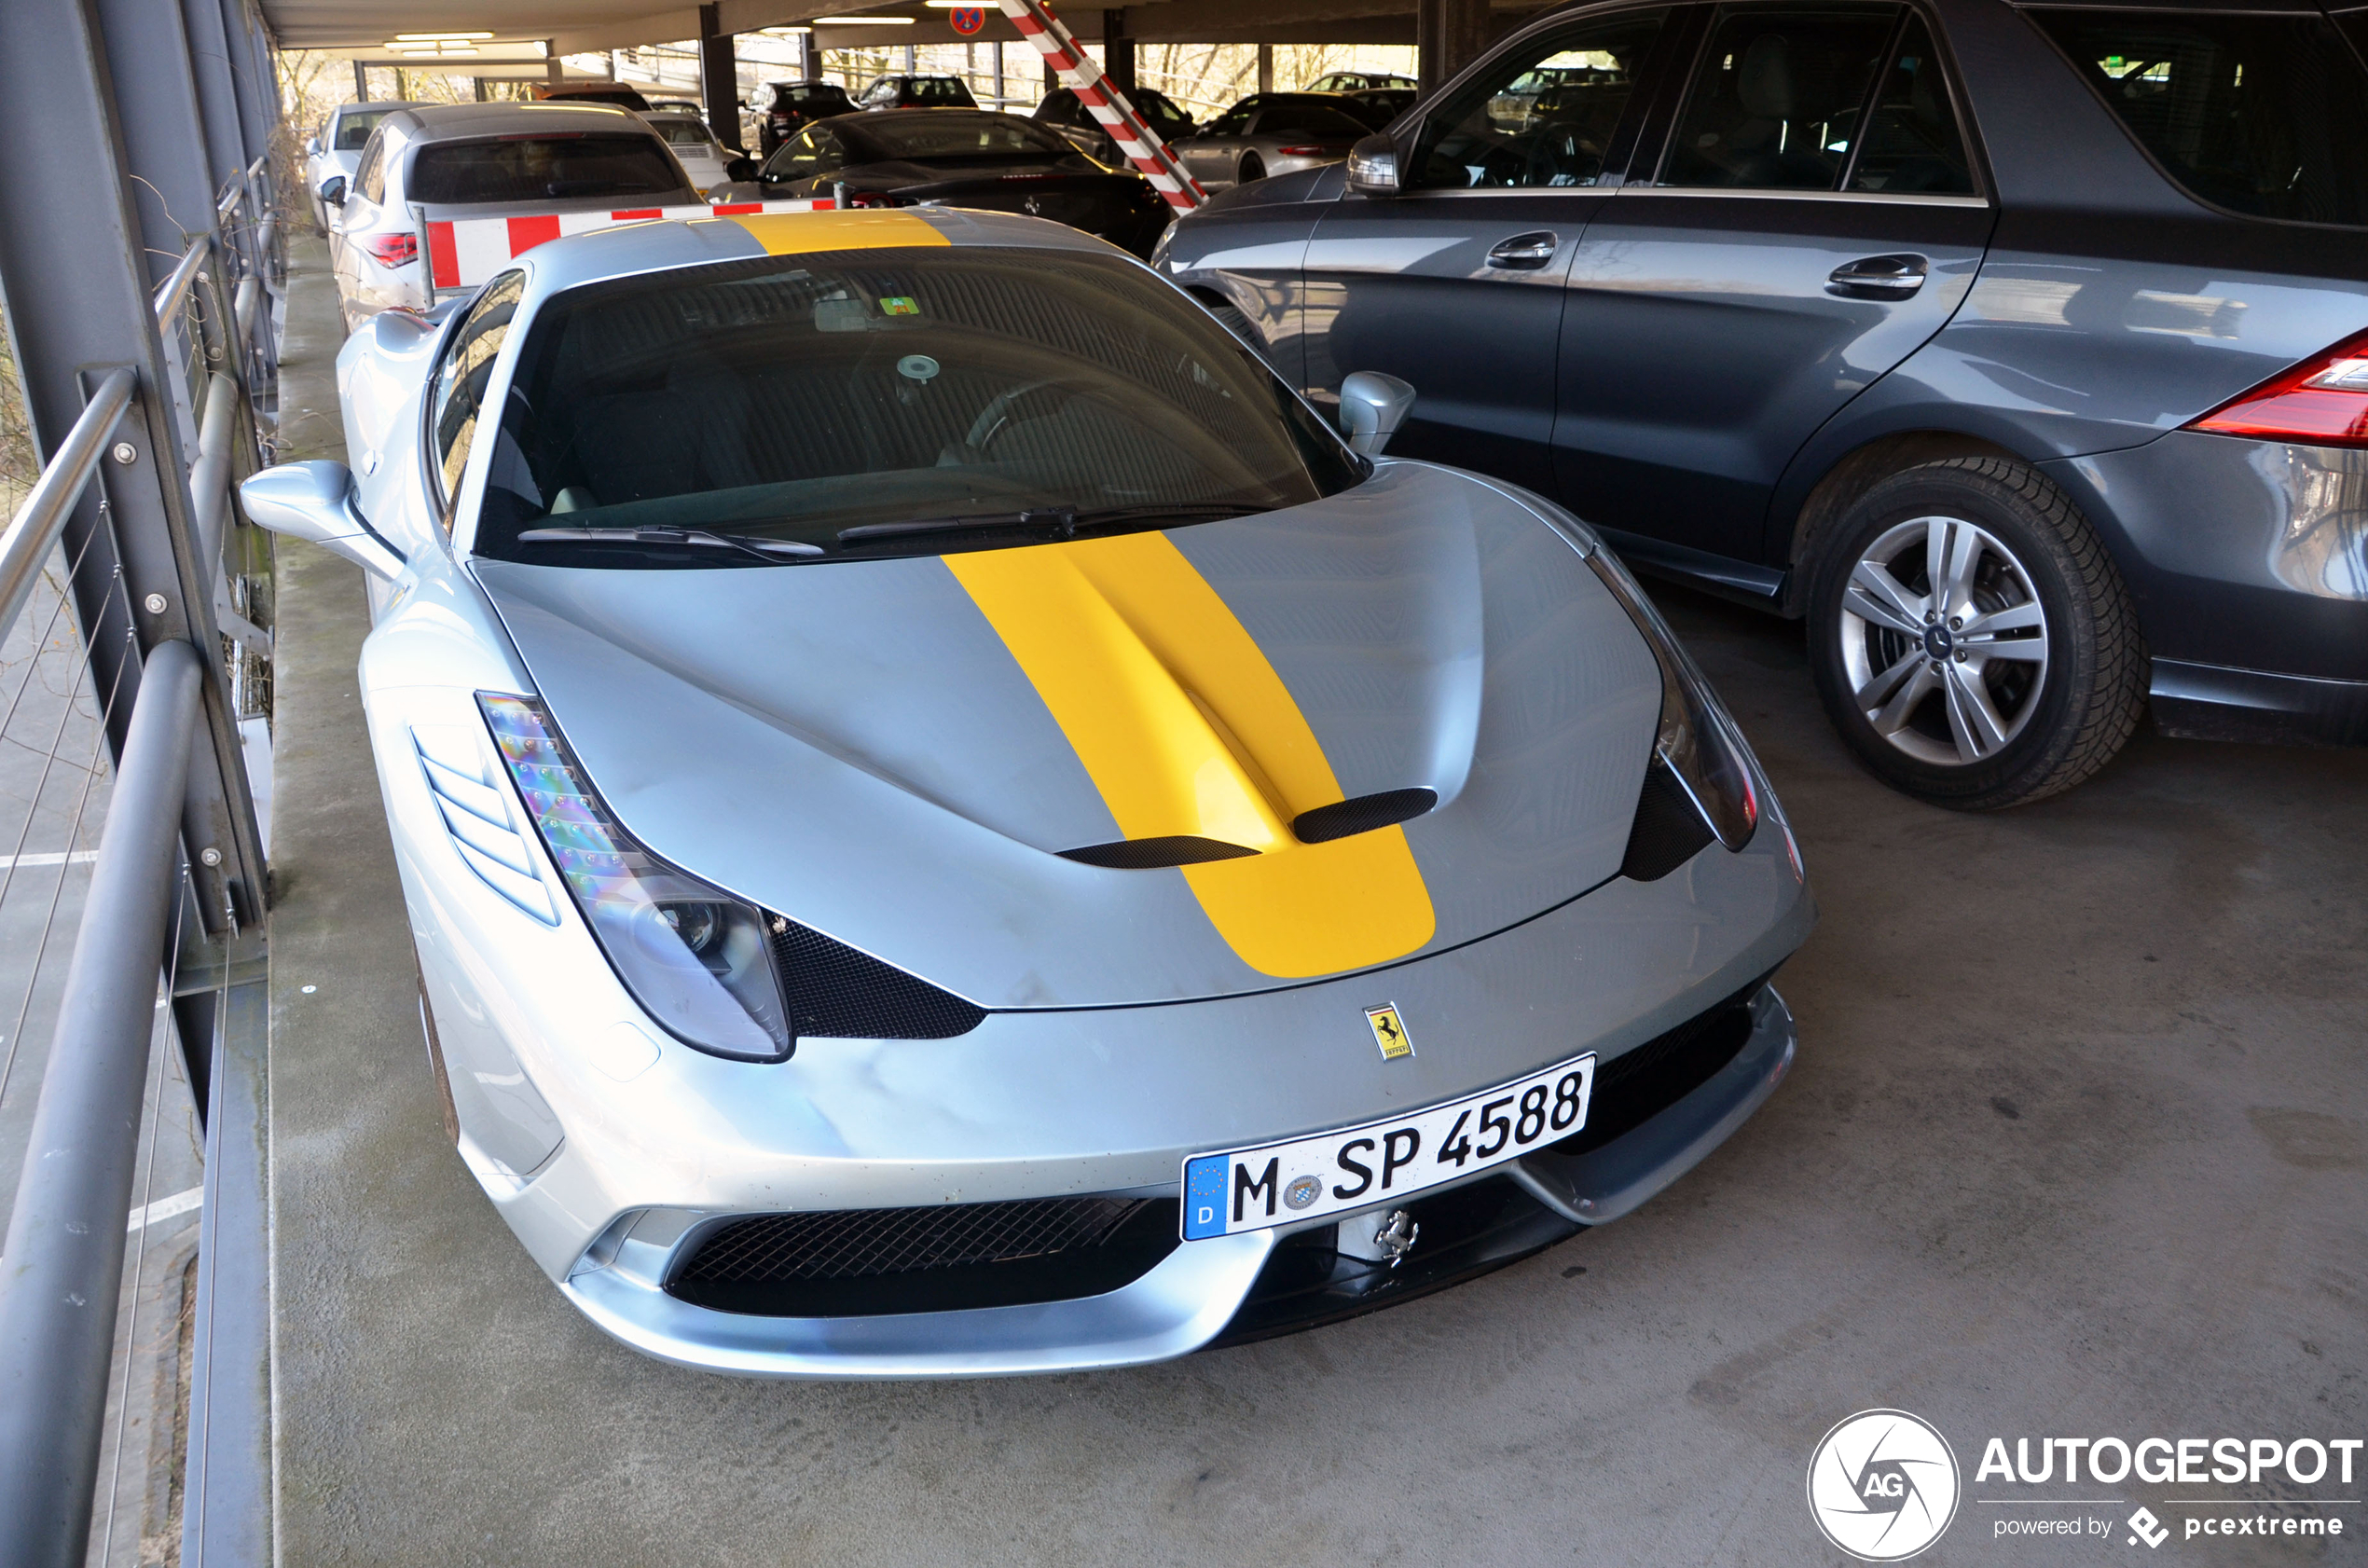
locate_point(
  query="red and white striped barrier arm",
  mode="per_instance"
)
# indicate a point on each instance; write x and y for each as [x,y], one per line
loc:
[463,252]
[1143,146]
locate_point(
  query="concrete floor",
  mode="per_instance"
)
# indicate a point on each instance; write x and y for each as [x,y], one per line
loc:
[2077,1143]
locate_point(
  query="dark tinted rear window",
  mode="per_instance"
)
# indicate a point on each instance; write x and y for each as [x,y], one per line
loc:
[1308,119]
[2257,114]
[543,168]
[940,136]
[939,89]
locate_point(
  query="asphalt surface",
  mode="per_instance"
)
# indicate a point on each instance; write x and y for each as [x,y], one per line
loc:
[2076,1145]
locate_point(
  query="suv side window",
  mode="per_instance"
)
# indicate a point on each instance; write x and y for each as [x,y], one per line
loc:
[2258,113]
[458,393]
[1544,116]
[1776,95]
[1913,142]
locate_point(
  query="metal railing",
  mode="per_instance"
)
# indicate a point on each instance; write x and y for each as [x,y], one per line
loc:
[66,1237]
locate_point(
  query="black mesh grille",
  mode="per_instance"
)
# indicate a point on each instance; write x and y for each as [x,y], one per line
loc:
[853,1244]
[1639,1084]
[1152,854]
[1668,830]
[836,991]
[1342,818]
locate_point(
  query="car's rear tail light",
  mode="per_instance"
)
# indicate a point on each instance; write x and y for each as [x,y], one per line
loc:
[871,199]
[1300,152]
[2321,402]
[394,250]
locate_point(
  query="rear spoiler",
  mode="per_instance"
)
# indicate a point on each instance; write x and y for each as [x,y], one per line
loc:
[458,255]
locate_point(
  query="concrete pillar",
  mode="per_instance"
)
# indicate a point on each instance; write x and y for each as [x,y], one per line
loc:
[1449,34]
[554,71]
[1118,51]
[998,46]
[908,60]
[719,78]
[1265,67]
[360,82]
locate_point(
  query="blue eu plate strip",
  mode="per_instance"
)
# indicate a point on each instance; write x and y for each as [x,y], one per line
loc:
[1204,1196]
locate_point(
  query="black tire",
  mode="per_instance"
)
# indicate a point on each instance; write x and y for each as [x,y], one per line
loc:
[1253,168]
[2051,713]
[1238,324]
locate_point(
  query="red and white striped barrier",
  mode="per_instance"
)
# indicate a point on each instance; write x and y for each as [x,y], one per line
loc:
[463,252]
[1142,146]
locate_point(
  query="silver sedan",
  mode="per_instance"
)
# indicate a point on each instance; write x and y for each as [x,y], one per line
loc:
[953,827]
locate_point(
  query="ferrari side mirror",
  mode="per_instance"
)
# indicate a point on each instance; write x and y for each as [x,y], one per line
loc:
[1373,407]
[332,190]
[740,169]
[315,501]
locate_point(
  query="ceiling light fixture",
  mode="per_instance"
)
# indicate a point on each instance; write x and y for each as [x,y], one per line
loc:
[862,22]
[440,37]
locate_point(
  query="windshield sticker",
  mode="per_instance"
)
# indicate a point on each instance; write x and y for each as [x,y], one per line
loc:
[899,305]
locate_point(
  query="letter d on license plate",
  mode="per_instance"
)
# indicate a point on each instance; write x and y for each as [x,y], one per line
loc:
[1355,1167]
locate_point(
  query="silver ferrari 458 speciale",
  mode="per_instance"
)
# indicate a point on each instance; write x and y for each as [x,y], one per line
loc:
[953,826]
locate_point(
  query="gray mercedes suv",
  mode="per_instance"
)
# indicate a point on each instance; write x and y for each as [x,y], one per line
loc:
[2019,348]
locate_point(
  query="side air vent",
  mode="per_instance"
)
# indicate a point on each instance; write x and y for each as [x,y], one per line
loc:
[1668,830]
[835,991]
[1152,854]
[1344,818]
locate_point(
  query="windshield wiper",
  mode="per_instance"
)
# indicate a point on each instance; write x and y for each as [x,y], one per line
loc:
[770,551]
[1065,521]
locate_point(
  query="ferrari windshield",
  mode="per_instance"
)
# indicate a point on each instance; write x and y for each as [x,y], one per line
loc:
[807,400]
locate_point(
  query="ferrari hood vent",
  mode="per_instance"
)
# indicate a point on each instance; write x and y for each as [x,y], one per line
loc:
[1340,819]
[1343,818]
[1153,854]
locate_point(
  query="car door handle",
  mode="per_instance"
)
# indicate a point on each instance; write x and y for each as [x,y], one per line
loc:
[1877,277]
[1525,252]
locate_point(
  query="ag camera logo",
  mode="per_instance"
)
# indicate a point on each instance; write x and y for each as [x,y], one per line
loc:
[1882,1485]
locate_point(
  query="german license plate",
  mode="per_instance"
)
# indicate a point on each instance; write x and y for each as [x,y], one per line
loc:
[1355,1167]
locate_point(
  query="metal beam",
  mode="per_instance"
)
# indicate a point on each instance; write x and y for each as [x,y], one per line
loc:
[67,1235]
[79,304]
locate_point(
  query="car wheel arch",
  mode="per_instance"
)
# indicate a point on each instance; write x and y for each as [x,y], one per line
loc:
[1855,474]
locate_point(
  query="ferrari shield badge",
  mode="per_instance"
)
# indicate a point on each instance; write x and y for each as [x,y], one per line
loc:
[1389,1032]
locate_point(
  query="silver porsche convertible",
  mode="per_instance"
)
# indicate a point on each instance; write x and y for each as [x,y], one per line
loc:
[953,826]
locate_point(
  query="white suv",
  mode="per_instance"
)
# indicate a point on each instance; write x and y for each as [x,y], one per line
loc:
[427,165]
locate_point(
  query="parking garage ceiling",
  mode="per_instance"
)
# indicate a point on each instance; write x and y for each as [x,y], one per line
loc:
[583,26]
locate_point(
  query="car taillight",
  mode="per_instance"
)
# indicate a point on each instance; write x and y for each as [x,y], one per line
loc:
[1300,152]
[394,250]
[871,199]
[2321,402]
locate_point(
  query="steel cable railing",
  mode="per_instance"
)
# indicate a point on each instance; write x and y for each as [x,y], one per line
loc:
[66,1242]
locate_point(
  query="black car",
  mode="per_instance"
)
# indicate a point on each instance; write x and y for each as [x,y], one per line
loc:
[1379,105]
[916,93]
[1063,112]
[958,158]
[2021,349]
[796,104]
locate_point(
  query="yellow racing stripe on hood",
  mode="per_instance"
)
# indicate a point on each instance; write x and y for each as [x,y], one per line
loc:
[796,233]
[1185,728]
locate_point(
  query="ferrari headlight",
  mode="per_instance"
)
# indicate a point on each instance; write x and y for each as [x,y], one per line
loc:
[1696,743]
[697,959]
